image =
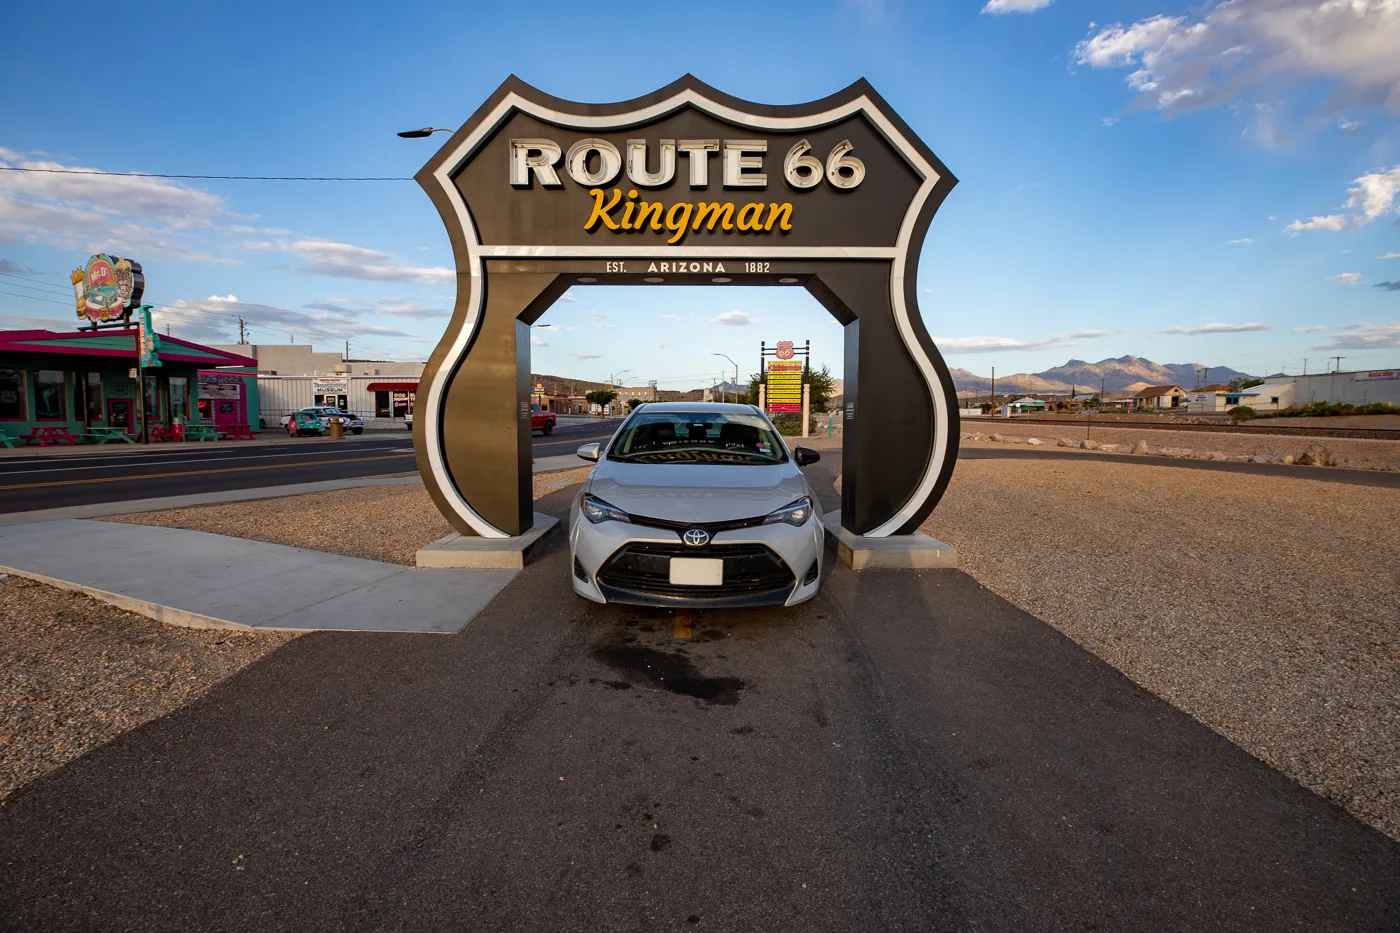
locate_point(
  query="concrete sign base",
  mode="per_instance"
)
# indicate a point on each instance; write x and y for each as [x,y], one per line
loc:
[895,552]
[459,552]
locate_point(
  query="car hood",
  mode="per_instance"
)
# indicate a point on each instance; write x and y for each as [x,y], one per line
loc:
[686,492]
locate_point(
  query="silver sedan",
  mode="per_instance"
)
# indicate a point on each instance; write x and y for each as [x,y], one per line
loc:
[696,506]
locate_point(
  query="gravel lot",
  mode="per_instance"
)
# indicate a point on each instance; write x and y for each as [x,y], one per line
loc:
[1266,607]
[76,673]
[387,523]
[1356,453]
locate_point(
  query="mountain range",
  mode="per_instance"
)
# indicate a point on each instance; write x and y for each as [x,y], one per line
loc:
[1123,374]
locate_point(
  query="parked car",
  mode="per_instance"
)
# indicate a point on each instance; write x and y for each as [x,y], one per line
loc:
[696,507]
[302,423]
[352,422]
[541,420]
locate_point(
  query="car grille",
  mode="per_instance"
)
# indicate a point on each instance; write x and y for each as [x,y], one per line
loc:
[644,567]
[733,524]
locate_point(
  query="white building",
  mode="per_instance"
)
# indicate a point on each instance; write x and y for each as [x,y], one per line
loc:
[381,400]
[1360,387]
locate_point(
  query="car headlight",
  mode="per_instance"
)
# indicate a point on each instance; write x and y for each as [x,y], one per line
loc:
[598,511]
[796,513]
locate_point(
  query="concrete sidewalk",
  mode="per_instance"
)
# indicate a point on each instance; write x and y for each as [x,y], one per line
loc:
[203,580]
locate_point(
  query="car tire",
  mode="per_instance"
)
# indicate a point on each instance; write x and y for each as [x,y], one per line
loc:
[548,428]
[357,430]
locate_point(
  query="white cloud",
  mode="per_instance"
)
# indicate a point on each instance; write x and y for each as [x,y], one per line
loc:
[596,315]
[1366,336]
[537,341]
[994,344]
[1178,62]
[568,296]
[1108,121]
[144,218]
[1389,256]
[1350,126]
[1369,198]
[1243,241]
[672,317]
[1346,278]
[1215,329]
[392,307]
[215,319]
[1333,223]
[345,260]
[28,322]
[1309,330]
[586,356]
[733,319]
[1015,6]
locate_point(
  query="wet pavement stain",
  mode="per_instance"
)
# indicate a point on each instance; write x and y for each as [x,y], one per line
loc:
[671,671]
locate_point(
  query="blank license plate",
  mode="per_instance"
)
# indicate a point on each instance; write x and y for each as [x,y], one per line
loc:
[697,571]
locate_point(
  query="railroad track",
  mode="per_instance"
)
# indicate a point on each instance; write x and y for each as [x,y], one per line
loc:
[1272,426]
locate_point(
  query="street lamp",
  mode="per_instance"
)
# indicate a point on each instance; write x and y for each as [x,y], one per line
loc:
[425,131]
[736,370]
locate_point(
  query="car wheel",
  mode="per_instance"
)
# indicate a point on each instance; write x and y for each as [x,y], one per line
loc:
[357,430]
[548,428]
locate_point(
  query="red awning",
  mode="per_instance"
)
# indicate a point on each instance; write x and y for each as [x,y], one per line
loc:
[392,387]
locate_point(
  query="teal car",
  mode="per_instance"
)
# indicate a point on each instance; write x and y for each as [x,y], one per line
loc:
[302,423]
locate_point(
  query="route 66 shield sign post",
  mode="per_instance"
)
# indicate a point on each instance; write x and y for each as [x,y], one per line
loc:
[685,186]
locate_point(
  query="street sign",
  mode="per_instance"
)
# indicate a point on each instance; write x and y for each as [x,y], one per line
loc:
[784,392]
[148,339]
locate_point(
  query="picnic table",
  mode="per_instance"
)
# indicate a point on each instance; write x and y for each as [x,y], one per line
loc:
[47,436]
[163,432]
[100,434]
[236,432]
[201,432]
[7,440]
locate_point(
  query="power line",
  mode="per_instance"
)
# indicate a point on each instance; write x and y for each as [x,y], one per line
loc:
[31,288]
[90,171]
[61,291]
[66,304]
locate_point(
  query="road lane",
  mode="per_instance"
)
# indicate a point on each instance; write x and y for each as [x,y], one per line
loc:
[84,478]
[904,752]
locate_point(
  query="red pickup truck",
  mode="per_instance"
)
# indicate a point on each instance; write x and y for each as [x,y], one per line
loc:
[541,420]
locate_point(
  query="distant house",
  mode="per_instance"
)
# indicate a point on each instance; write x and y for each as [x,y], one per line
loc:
[1270,396]
[1160,397]
[1021,406]
[1116,400]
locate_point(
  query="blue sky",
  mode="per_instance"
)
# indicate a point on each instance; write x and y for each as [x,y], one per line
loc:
[1216,184]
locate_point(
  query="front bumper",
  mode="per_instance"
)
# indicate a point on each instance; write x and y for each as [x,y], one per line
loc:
[770,565]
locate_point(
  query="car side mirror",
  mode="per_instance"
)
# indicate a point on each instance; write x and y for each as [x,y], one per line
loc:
[805,455]
[589,451]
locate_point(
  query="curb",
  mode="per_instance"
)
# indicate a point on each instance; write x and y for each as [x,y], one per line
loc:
[160,613]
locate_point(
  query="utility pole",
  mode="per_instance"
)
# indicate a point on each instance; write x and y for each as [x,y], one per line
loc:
[347,351]
[1338,367]
[242,338]
[994,390]
[1305,366]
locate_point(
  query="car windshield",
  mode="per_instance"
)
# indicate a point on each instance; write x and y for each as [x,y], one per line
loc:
[697,437]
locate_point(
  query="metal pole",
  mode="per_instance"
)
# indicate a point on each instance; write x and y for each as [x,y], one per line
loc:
[141,390]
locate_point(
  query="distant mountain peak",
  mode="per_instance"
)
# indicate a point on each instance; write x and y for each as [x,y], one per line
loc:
[1116,375]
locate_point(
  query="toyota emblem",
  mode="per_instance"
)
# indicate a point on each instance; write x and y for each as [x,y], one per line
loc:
[696,537]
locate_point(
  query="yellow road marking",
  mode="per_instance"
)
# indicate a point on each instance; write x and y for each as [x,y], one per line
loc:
[239,469]
[682,629]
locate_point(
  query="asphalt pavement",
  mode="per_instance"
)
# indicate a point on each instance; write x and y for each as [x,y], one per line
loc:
[904,752]
[56,478]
